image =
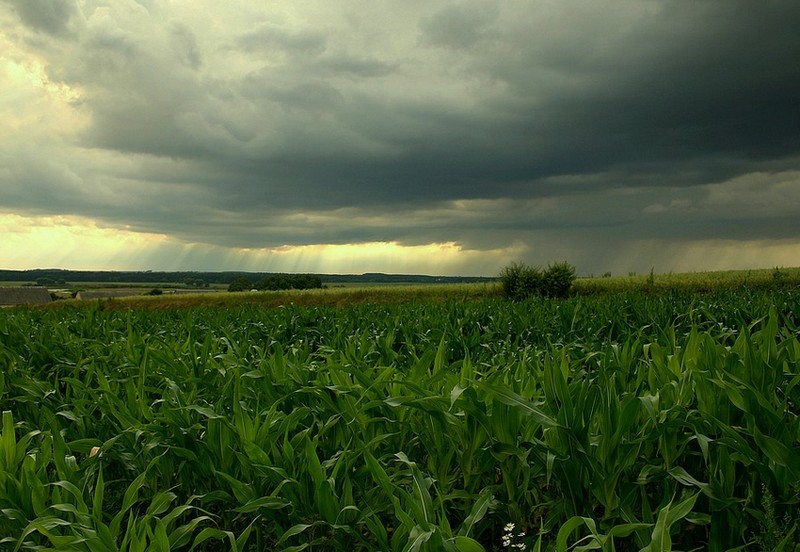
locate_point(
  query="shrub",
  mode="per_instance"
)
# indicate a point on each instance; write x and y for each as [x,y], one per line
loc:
[778,275]
[557,279]
[521,281]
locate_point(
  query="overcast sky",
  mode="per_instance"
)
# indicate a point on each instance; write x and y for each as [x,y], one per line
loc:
[439,137]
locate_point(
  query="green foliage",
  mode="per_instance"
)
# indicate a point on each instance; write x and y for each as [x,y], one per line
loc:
[699,282]
[276,282]
[521,281]
[557,280]
[620,422]
[776,533]
[289,281]
[240,284]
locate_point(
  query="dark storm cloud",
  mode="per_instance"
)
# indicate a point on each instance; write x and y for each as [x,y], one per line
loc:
[270,39]
[673,88]
[668,100]
[185,45]
[355,67]
[460,25]
[482,123]
[49,16]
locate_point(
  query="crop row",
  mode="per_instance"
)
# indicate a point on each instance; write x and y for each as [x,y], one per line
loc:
[619,422]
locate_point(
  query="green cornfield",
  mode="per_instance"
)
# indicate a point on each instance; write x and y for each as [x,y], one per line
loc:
[628,421]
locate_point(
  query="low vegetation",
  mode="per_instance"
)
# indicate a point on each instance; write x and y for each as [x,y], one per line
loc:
[618,421]
[520,281]
[698,282]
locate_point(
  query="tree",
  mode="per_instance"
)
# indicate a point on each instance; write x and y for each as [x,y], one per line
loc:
[240,284]
[289,281]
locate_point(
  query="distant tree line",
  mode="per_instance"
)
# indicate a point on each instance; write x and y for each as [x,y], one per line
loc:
[277,282]
[204,279]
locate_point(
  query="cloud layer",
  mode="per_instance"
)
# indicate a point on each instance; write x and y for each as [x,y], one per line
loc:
[619,134]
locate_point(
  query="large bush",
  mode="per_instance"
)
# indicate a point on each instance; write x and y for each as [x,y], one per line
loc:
[557,279]
[521,281]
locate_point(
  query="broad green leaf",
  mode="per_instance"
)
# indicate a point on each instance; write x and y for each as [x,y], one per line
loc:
[477,512]
[466,544]
[293,530]
[506,396]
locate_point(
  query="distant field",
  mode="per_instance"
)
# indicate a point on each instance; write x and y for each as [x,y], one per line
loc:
[386,293]
[145,286]
[337,296]
[693,281]
[343,293]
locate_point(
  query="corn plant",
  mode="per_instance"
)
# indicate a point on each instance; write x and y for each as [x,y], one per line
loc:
[624,421]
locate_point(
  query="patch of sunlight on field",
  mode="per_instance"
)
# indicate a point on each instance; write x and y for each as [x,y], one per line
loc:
[334,296]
